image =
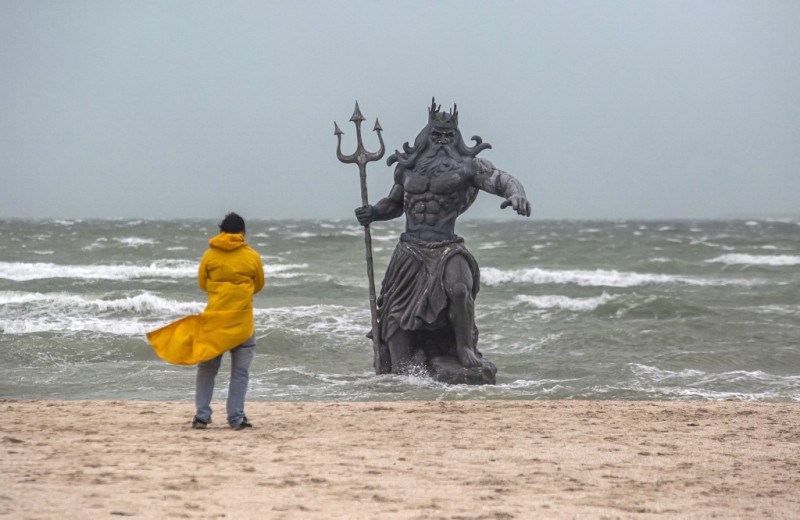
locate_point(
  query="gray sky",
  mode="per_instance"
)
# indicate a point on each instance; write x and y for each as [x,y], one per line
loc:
[613,109]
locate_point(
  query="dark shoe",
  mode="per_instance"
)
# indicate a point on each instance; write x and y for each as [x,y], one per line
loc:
[242,425]
[199,424]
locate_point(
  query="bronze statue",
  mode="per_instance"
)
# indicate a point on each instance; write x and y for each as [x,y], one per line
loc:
[426,305]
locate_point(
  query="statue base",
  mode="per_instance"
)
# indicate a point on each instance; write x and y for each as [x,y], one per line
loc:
[446,369]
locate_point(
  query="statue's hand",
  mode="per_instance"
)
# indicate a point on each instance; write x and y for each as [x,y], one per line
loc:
[519,203]
[365,215]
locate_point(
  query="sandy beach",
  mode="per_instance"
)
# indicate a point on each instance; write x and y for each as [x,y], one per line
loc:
[457,459]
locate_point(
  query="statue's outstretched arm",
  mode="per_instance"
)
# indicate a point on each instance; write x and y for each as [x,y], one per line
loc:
[497,182]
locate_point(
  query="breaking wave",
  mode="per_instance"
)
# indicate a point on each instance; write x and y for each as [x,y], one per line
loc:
[20,272]
[565,302]
[769,260]
[596,278]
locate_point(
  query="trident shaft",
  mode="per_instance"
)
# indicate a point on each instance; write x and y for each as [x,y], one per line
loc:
[361,157]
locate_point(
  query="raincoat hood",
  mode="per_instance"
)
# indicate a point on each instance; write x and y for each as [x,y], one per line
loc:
[227,241]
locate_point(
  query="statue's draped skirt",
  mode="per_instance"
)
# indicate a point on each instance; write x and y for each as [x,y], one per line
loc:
[413,294]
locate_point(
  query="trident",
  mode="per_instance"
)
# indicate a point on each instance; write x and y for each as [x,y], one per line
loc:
[361,157]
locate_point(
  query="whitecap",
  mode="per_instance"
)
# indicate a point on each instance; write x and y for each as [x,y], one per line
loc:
[283,270]
[167,268]
[311,319]
[657,374]
[744,259]
[135,241]
[384,238]
[521,346]
[60,303]
[596,278]
[565,302]
[783,310]
[304,234]
[705,242]
[71,324]
[20,271]
[492,245]
[692,383]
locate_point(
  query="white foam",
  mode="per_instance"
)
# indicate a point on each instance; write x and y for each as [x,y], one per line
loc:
[66,324]
[565,302]
[135,241]
[59,303]
[743,259]
[524,345]
[20,271]
[308,319]
[492,245]
[596,278]
[692,383]
[384,238]
[784,310]
[658,374]
[283,270]
[28,313]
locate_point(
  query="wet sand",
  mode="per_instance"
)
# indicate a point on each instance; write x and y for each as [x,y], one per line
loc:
[457,459]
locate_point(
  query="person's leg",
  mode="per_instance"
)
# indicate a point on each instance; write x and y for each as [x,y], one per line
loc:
[204,387]
[241,357]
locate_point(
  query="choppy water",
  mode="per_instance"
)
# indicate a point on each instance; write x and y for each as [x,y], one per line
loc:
[567,310]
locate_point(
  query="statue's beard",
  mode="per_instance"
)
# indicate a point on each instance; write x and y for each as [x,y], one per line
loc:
[438,159]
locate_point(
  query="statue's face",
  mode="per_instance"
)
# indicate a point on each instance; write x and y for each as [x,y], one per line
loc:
[442,135]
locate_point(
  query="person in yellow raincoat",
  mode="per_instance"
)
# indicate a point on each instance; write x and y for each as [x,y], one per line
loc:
[231,273]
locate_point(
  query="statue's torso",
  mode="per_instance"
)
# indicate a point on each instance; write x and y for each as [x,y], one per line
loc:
[435,197]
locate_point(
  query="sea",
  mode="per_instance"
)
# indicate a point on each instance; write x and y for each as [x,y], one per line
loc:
[598,310]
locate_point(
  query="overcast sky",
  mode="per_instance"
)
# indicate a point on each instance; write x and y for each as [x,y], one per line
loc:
[603,109]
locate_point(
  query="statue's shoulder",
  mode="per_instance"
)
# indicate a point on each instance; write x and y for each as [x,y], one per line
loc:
[482,166]
[399,174]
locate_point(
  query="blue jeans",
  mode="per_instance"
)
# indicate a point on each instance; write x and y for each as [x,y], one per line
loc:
[241,357]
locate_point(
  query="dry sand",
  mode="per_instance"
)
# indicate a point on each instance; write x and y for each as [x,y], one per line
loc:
[467,460]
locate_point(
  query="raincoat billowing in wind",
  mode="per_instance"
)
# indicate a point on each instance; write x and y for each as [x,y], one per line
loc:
[231,273]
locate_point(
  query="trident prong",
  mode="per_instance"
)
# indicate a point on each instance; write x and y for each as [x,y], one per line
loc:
[361,156]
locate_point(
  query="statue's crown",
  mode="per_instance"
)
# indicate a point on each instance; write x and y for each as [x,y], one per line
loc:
[442,118]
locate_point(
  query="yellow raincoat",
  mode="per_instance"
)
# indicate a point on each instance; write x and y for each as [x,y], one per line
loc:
[231,273]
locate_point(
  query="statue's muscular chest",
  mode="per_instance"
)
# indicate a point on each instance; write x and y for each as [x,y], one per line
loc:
[445,177]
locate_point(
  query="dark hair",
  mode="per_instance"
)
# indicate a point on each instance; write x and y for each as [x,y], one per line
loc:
[232,223]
